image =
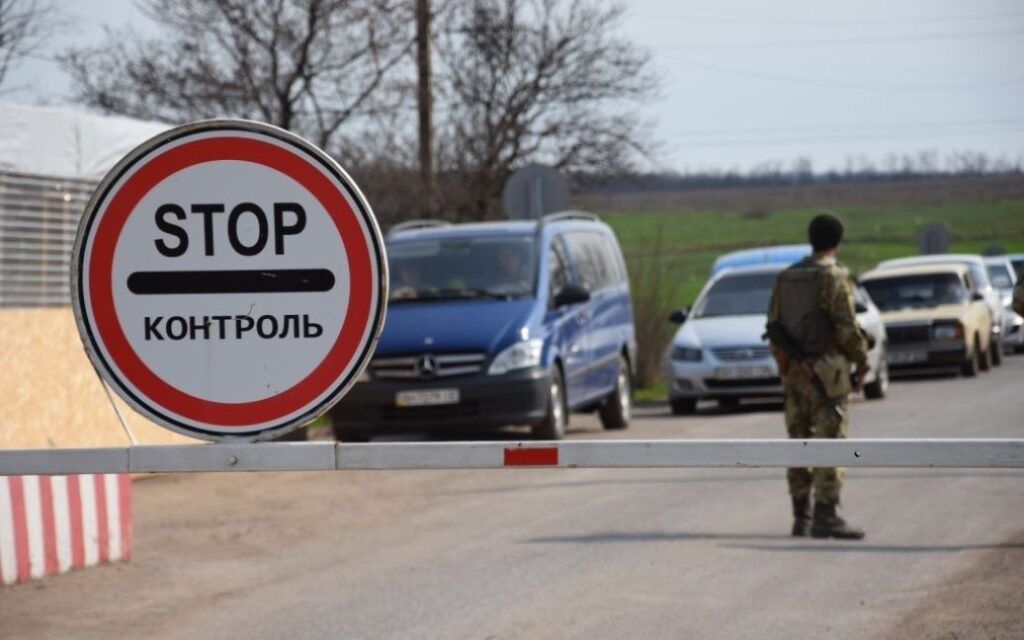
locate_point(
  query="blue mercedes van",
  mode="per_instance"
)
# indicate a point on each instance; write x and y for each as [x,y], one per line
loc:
[494,324]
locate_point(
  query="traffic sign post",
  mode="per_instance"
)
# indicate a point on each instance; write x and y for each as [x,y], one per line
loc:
[535,191]
[229,280]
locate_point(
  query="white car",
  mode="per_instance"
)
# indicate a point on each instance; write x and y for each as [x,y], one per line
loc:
[978,281]
[719,353]
[1003,276]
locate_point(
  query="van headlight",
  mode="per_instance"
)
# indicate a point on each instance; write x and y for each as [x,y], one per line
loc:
[518,356]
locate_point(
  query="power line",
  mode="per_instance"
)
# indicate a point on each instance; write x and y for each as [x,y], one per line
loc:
[841,41]
[854,128]
[840,137]
[847,84]
[733,18]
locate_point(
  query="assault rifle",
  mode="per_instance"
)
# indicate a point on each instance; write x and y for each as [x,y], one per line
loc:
[781,339]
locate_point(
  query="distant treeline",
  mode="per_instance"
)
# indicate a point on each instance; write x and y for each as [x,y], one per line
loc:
[799,173]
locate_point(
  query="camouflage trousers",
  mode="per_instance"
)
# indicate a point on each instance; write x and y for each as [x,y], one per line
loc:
[809,415]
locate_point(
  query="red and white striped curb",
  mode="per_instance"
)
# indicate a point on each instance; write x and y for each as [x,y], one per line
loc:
[52,524]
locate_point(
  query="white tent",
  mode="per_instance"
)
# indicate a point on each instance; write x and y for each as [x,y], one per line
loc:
[62,142]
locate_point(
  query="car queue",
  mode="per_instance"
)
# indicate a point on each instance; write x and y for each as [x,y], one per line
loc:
[524,322]
[920,314]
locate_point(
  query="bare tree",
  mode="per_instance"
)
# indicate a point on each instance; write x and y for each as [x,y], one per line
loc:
[536,80]
[306,65]
[24,28]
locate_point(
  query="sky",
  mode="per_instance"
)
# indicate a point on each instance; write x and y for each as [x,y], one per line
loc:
[747,82]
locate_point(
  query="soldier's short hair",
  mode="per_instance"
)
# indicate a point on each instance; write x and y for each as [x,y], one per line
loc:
[825,232]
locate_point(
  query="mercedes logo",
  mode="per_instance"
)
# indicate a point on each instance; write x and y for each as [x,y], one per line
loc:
[426,367]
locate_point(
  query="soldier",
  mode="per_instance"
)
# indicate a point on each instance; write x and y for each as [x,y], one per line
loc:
[1018,297]
[813,301]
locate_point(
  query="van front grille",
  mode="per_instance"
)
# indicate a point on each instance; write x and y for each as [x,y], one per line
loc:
[427,366]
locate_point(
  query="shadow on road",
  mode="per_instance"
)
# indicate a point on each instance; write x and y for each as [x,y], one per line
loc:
[831,546]
[828,546]
[660,411]
[651,536]
[752,476]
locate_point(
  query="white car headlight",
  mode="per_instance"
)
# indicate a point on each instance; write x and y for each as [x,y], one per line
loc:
[685,353]
[518,356]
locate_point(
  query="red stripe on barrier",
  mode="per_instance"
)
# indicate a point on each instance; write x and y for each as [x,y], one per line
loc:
[49,525]
[531,457]
[124,490]
[102,530]
[20,528]
[75,517]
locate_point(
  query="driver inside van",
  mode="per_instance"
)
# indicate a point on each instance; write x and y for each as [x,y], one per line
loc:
[512,267]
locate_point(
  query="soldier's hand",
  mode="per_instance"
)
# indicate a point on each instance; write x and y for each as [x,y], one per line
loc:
[857,382]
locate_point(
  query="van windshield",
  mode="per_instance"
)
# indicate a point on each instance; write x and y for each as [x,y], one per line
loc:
[481,267]
[737,296]
[903,292]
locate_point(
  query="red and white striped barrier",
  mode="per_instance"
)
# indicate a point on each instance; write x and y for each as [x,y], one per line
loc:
[575,454]
[52,524]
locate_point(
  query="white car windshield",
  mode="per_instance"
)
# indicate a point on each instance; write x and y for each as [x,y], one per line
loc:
[737,295]
[1000,276]
[496,266]
[918,291]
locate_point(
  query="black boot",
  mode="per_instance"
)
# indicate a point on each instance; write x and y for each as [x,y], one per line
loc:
[801,516]
[828,524]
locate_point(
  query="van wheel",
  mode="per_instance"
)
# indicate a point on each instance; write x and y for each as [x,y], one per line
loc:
[996,350]
[683,406]
[877,388]
[970,365]
[617,408]
[984,361]
[552,427]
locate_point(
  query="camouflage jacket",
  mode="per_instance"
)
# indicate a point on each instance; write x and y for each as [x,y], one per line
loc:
[837,303]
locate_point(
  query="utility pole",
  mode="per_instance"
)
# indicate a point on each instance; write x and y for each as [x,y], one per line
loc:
[425,101]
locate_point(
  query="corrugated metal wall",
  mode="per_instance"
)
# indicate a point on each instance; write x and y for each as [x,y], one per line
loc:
[39,217]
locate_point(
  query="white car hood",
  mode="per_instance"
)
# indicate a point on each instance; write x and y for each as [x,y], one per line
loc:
[721,331]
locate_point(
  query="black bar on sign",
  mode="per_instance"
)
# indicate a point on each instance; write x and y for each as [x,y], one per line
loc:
[252,281]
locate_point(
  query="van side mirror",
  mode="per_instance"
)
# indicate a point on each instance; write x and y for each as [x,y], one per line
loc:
[860,307]
[977,296]
[679,315]
[571,294]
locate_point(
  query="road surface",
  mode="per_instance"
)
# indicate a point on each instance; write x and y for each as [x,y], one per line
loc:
[584,553]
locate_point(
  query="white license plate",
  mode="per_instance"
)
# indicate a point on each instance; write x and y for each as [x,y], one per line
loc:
[745,373]
[426,398]
[906,357]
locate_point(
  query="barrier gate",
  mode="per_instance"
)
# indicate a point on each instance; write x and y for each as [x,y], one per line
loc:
[578,454]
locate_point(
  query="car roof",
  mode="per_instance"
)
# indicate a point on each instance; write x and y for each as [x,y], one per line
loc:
[756,269]
[913,270]
[785,254]
[997,259]
[931,259]
[439,229]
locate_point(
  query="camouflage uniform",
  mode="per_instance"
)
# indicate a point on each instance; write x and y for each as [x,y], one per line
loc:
[808,413]
[1018,297]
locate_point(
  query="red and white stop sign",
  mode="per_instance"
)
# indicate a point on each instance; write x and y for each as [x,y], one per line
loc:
[229,280]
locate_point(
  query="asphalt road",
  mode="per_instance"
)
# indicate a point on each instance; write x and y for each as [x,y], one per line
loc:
[530,553]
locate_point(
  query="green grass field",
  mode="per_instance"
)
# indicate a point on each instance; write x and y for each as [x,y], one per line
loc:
[685,244]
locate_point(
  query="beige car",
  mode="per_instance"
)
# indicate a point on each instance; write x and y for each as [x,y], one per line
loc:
[935,317]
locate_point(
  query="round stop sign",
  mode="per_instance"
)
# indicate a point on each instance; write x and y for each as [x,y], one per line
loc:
[229,280]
